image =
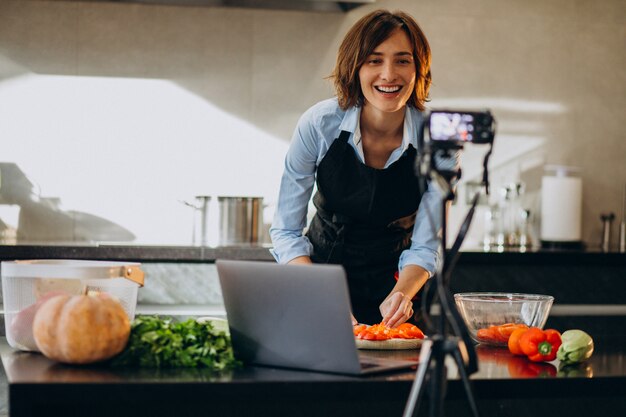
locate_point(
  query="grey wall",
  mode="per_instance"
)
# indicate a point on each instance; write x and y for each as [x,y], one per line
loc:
[552,72]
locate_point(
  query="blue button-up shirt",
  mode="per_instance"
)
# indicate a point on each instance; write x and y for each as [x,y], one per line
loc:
[316,131]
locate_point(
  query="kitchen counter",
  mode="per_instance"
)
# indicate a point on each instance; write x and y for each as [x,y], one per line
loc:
[573,277]
[504,386]
[204,254]
[138,253]
[588,286]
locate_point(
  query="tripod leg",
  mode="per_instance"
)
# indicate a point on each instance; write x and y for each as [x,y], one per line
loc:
[417,389]
[438,380]
[456,353]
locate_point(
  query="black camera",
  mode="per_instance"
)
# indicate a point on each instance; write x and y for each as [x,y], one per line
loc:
[453,128]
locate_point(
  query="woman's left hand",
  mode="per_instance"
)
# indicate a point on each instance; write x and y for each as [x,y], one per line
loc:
[396,309]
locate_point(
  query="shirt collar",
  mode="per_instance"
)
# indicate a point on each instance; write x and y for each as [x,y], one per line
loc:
[351,123]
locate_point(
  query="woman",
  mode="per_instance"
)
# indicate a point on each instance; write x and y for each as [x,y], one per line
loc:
[359,148]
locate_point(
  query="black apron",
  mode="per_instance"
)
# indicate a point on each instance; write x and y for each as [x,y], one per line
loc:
[364,220]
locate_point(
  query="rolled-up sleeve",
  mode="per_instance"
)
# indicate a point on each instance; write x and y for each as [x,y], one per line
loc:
[424,249]
[295,191]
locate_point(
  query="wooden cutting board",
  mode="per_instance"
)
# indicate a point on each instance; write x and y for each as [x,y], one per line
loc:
[391,344]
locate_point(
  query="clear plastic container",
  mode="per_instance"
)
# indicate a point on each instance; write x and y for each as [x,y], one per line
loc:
[26,285]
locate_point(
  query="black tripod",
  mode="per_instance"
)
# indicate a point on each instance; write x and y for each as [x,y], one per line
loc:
[458,344]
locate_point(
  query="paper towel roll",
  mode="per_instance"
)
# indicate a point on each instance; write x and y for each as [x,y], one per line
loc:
[561,209]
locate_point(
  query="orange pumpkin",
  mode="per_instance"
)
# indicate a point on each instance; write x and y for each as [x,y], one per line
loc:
[81,329]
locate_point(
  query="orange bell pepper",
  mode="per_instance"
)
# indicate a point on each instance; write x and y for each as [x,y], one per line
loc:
[513,342]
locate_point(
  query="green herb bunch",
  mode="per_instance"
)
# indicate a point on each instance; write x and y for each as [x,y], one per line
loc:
[164,343]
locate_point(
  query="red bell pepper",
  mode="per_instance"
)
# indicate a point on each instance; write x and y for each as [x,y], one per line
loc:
[540,345]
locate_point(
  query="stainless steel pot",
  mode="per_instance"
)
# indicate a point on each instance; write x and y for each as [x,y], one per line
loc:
[240,220]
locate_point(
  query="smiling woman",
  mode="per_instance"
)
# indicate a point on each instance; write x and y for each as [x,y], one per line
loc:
[387,79]
[359,148]
[370,38]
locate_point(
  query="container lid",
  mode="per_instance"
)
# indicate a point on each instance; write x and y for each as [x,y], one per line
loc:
[562,170]
[73,269]
[237,198]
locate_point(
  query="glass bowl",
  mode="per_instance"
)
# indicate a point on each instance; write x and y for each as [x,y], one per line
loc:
[480,310]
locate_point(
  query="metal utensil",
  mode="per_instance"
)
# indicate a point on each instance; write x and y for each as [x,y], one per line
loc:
[200,219]
[607,220]
[622,225]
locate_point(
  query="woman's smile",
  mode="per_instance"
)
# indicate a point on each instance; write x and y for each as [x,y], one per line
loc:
[388,90]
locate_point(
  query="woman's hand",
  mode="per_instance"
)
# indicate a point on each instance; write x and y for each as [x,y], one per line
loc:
[354,321]
[396,309]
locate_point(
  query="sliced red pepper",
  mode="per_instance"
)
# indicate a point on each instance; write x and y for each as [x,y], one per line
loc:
[498,334]
[411,331]
[382,332]
[368,336]
[358,329]
[486,335]
[505,330]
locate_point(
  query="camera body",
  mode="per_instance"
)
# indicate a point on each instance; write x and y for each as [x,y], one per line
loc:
[448,131]
[453,128]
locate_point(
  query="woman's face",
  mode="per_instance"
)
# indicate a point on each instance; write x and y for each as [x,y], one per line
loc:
[388,75]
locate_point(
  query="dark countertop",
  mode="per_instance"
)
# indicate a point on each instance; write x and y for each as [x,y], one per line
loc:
[505,386]
[207,254]
[136,253]
[575,278]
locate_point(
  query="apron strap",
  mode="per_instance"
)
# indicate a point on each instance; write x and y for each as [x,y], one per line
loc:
[344,136]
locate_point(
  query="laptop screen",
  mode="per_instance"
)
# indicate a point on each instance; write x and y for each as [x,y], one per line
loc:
[295,316]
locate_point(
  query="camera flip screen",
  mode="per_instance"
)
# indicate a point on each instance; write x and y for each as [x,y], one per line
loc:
[457,127]
[451,126]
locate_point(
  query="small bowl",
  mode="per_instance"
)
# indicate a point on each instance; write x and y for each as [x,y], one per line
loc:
[480,310]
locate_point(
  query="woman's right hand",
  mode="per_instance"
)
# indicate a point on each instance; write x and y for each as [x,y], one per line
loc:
[396,309]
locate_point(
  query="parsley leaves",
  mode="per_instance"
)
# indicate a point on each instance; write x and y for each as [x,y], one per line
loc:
[164,343]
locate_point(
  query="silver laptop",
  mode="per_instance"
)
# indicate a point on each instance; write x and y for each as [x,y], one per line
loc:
[294,316]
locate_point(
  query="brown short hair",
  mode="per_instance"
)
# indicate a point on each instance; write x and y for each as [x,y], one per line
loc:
[359,43]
